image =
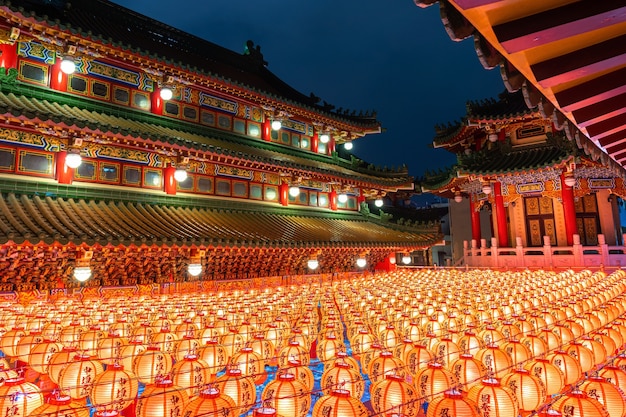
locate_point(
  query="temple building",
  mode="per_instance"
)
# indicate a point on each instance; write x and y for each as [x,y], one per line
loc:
[545,163]
[519,181]
[131,150]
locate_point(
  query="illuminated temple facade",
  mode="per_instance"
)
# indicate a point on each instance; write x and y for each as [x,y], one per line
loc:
[258,200]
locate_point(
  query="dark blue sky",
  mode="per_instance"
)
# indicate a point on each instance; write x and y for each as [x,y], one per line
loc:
[387,55]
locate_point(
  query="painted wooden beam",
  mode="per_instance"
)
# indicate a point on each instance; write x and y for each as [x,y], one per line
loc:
[560,23]
[601,111]
[593,91]
[584,62]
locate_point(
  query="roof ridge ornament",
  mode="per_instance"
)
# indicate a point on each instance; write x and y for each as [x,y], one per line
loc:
[254,52]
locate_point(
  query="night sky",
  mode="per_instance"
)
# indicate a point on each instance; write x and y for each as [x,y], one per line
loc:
[385,55]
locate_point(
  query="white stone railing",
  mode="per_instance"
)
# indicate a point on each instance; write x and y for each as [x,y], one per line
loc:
[545,256]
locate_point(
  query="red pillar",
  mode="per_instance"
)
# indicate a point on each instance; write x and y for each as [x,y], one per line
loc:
[569,211]
[266,130]
[475,221]
[331,146]
[156,102]
[333,200]
[283,194]
[58,79]
[503,236]
[169,182]
[63,173]
[8,56]
[315,142]
[361,198]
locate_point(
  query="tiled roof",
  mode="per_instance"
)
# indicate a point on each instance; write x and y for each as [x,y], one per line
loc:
[508,106]
[104,21]
[45,219]
[503,161]
[134,124]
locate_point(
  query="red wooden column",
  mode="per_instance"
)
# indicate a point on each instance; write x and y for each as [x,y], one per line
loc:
[361,198]
[475,217]
[333,200]
[503,236]
[8,56]
[283,194]
[569,211]
[58,79]
[169,182]
[266,130]
[315,140]
[156,102]
[63,173]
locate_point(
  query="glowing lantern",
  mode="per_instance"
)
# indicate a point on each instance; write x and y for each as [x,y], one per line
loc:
[211,403]
[491,335]
[214,355]
[288,396]
[239,387]
[165,340]
[393,393]
[495,359]
[265,349]
[110,348]
[6,373]
[452,400]
[578,403]
[361,342]
[275,334]
[251,364]
[433,380]
[518,352]
[143,333]
[609,339]
[493,399]
[402,349]
[413,331]
[19,398]
[418,358]
[232,343]
[129,352]
[191,373]
[369,355]
[389,337]
[61,405]
[188,345]
[341,376]
[446,351]
[293,351]
[186,328]
[470,343]
[615,376]
[58,361]
[152,364]
[162,399]
[510,330]
[52,330]
[611,397]
[568,365]
[25,344]
[265,412]
[339,403]
[552,340]
[528,389]
[41,353]
[535,345]
[599,348]
[78,377]
[384,364]
[302,373]
[10,340]
[468,370]
[584,355]
[342,357]
[114,389]
[329,347]
[551,375]
[564,334]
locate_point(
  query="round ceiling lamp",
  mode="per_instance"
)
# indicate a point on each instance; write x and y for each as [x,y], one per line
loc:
[82,273]
[324,138]
[180,175]
[342,198]
[73,160]
[194,269]
[166,93]
[378,202]
[294,191]
[68,66]
[348,146]
[276,125]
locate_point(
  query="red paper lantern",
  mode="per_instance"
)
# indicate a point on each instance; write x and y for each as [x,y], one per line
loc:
[287,395]
[161,399]
[114,389]
[19,398]
[393,393]
[192,374]
[211,403]
[152,364]
[61,405]
[578,403]
[239,387]
[339,403]
[341,376]
[78,377]
[454,402]
[493,399]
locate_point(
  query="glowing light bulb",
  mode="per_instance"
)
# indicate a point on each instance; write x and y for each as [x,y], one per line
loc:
[342,198]
[313,264]
[82,273]
[348,146]
[166,93]
[324,138]
[68,66]
[378,202]
[361,262]
[276,125]
[180,175]
[194,269]
[73,160]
